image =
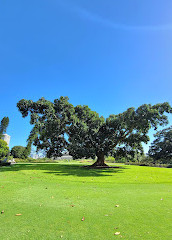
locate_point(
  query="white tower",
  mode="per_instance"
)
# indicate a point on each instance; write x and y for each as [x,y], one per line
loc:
[6,138]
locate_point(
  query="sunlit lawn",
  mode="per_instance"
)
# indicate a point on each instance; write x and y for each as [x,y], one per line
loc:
[54,198]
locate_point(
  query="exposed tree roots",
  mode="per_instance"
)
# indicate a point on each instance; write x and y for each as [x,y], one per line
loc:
[97,165]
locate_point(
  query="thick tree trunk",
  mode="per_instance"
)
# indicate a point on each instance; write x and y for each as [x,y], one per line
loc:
[100,160]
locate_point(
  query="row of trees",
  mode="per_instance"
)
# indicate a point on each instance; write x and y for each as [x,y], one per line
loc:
[16,151]
[60,126]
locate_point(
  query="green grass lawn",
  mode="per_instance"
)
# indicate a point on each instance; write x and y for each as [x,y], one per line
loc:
[53,198]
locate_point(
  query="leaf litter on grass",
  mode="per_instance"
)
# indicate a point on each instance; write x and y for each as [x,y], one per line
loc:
[117,233]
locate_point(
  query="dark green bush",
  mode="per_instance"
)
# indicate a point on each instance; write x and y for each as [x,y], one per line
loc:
[19,152]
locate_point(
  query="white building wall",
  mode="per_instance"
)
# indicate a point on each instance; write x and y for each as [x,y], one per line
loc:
[6,138]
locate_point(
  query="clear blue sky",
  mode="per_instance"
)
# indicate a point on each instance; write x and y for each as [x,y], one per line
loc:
[110,55]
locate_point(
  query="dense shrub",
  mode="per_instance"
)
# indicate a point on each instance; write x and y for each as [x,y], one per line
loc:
[121,160]
[110,159]
[32,160]
[4,149]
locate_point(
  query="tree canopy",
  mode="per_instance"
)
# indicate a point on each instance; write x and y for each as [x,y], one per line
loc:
[50,123]
[161,148]
[59,125]
[20,152]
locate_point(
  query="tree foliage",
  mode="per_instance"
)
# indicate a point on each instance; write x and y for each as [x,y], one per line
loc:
[4,124]
[50,123]
[59,125]
[92,135]
[4,149]
[129,153]
[20,152]
[161,148]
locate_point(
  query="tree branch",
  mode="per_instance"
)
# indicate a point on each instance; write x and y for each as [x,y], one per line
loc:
[122,138]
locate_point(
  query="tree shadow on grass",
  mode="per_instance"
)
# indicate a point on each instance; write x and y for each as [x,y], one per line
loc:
[64,169]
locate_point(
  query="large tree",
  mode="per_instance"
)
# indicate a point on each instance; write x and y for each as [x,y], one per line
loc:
[161,148]
[59,125]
